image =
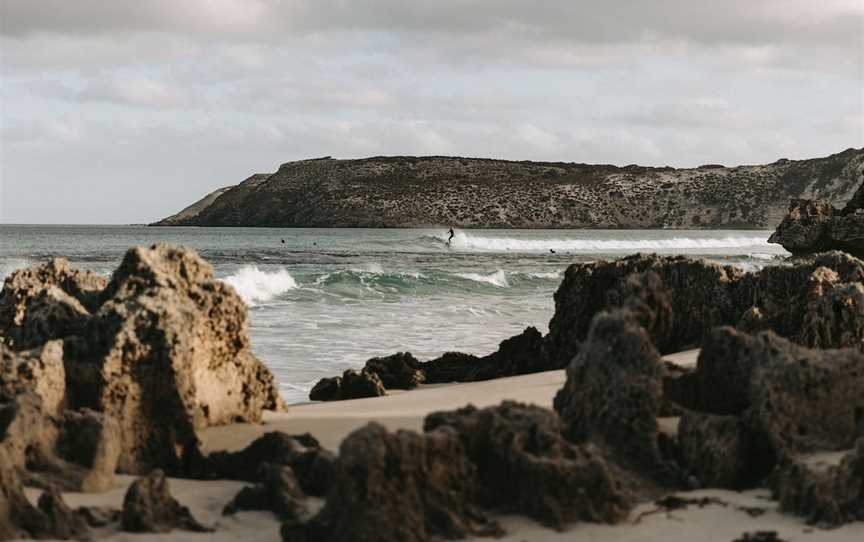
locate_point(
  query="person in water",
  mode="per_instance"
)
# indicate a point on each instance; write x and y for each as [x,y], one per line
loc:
[451,236]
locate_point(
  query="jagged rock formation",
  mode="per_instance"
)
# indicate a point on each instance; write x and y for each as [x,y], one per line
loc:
[156,353]
[434,190]
[277,490]
[148,507]
[398,486]
[814,225]
[351,385]
[525,465]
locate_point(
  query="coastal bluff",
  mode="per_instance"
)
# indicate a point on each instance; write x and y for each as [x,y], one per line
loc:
[403,191]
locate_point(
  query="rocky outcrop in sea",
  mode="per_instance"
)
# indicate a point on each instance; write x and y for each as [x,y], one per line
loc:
[404,191]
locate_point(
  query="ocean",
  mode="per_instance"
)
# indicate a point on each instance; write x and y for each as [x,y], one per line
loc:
[324,300]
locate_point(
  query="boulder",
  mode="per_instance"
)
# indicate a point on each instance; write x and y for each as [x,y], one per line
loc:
[18,517]
[167,353]
[39,370]
[277,490]
[525,466]
[826,497]
[48,301]
[400,371]
[834,317]
[91,441]
[351,385]
[719,451]
[312,465]
[450,367]
[327,389]
[812,226]
[60,521]
[148,507]
[397,486]
[613,396]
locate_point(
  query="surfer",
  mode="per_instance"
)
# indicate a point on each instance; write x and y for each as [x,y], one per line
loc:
[552,250]
[451,235]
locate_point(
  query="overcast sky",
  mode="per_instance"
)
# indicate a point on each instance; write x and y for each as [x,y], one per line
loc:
[126,111]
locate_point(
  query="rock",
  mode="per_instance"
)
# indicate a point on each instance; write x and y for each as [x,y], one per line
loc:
[360,384]
[351,385]
[92,440]
[48,301]
[719,451]
[829,497]
[61,521]
[148,507]
[397,486]
[524,465]
[277,490]
[327,389]
[835,312]
[520,354]
[39,370]
[708,294]
[17,516]
[400,371]
[812,226]
[312,465]
[99,516]
[167,353]
[613,396]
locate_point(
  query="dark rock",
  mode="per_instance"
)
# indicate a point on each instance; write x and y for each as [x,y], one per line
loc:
[327,389]
[397,486]
[61,522]
[17,516]
[450,367]
[719,451]
[360,384]
[828,497]
[812,226]
[312,465]
[91,440]
[149,508]
[760,536]
[398,371]
[835,312]
[525,466]
[613,396]
[99,516]
[277,490]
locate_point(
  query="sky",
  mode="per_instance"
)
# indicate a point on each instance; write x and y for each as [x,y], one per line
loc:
[115,111]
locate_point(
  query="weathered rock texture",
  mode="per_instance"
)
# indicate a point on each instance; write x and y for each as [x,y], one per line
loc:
[418,191]
[312,465]
[815,225]
[148,507]
[397,486]
[525,466]
[156,353]
[351,385]
[397,371]
[277,490]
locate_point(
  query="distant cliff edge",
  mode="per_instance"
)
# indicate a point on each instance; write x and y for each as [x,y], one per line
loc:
[404,191]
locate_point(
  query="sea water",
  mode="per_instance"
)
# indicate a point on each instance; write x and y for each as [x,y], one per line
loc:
[324,300]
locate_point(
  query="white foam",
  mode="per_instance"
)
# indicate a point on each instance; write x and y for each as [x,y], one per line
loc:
[504,244]
[255,285]
[498,278]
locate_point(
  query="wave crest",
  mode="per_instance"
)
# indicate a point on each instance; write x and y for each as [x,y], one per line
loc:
[497,278]
[466,241]
[255,285]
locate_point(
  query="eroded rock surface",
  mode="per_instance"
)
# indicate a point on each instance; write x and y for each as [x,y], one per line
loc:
[277,490]
[526,467]
[148,507]
[397,371]
[398,486]
[351,385]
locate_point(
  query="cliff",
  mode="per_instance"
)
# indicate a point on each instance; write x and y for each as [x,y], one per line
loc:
[474,192]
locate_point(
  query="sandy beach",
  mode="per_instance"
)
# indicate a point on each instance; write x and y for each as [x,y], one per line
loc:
[726,517]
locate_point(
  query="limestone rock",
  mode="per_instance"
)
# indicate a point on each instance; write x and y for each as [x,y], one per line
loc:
[17,516]
[311,464]
[351,385]
[613,396]
[48,301]
[719,451]
[39,370]
[525,466]
[277,490]
[148,507]
[397,486]
[168,353]
[397,371]
[90,440]
[61,522]
[829,497]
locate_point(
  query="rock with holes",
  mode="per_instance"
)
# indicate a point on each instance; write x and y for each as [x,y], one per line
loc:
[397,371]
[276,490]
[720,451]
[48,301]
[397,486]
[148,507]
[39,370]
[525,466]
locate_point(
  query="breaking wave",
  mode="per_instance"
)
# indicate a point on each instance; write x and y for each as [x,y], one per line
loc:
[498,278]
[466,241]
[255,285]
